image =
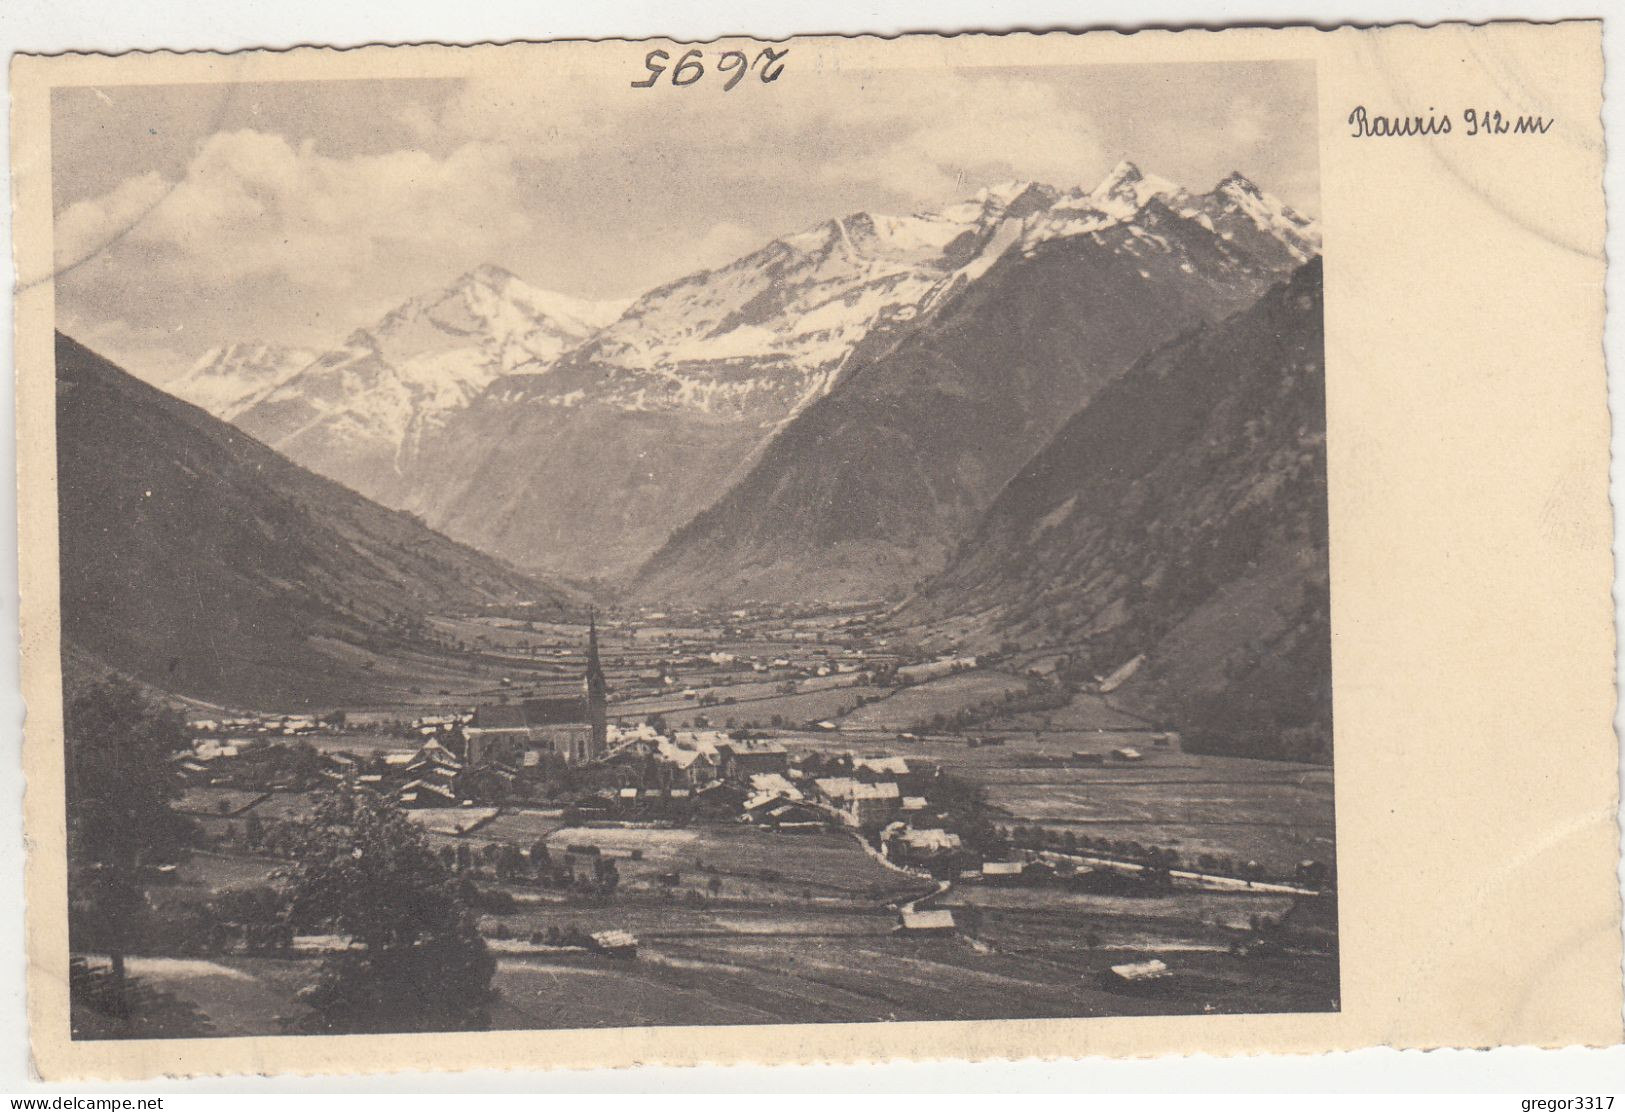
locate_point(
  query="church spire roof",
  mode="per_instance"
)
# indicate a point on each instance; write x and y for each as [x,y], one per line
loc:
[596,684]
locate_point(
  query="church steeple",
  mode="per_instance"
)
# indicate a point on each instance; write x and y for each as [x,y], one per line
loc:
[597,687]
[597,690]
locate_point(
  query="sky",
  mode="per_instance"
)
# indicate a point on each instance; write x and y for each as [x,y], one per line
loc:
[294,213]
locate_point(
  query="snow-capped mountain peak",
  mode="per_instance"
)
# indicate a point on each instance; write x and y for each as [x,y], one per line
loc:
[373,399]
[1127,189]
[1236,210]
[228,379]
[728,354]
[1236,195]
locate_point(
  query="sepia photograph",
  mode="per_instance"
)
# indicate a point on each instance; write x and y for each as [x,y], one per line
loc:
[746,546]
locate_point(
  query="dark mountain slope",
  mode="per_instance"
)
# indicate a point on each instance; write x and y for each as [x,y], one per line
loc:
[198,560]
[1180,516]
[866,491]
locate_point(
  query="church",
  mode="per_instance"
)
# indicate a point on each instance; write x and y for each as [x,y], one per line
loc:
[574,726]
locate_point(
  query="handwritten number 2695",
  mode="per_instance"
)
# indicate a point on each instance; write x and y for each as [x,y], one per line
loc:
[735,63]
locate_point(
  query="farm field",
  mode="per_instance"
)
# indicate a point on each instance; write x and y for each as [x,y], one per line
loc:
[752,863]
[805,706]
[701,968]
[908,707]
[1273,812]
[1086,711]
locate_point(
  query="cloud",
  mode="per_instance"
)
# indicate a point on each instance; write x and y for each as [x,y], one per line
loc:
[320,206]
[253,205]
[154,354]
[85,228]
[920,140]
[721,244]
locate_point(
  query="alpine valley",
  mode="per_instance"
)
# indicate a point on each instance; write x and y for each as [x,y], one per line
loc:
[574,551]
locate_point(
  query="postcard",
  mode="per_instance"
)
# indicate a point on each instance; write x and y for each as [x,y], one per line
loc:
[826,550]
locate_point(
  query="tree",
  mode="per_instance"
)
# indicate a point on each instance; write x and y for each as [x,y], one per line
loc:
[416,961]
[120,783]
[510,862]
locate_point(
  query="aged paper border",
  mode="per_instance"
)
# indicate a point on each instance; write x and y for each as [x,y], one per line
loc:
[1468,438]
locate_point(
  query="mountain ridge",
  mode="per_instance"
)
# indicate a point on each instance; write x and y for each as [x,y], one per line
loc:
[867,491]
[358,412]
[583,456]
[1178,520]
[200,561]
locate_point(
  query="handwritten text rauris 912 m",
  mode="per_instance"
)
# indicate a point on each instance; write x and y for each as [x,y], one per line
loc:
[1474,121]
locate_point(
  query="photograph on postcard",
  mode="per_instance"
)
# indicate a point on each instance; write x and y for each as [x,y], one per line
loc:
[722,551]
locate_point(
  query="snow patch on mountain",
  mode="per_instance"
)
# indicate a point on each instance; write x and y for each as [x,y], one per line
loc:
[228,379]
[389,385]
[1299,234]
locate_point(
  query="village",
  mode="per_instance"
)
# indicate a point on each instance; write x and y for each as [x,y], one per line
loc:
[663,800]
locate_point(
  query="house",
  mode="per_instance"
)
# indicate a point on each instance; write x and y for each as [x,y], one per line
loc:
[691,766]
[193,770]
[786,816]
[1135,976]
[742,760]
[925,923]
[879,768]
[615,944]
[719,800]
[771,785]
[432,752]
[1126,754]
[860,803]
[995,872]
[424,793]
[928,841]
[432,762]
[914,803]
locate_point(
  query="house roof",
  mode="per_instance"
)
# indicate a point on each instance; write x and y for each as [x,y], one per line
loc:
[845,788]
[894,766]
[931,839]
[425,786]
[934,920]
[772,783]
[679,756]
[435,752]
[1141,970]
